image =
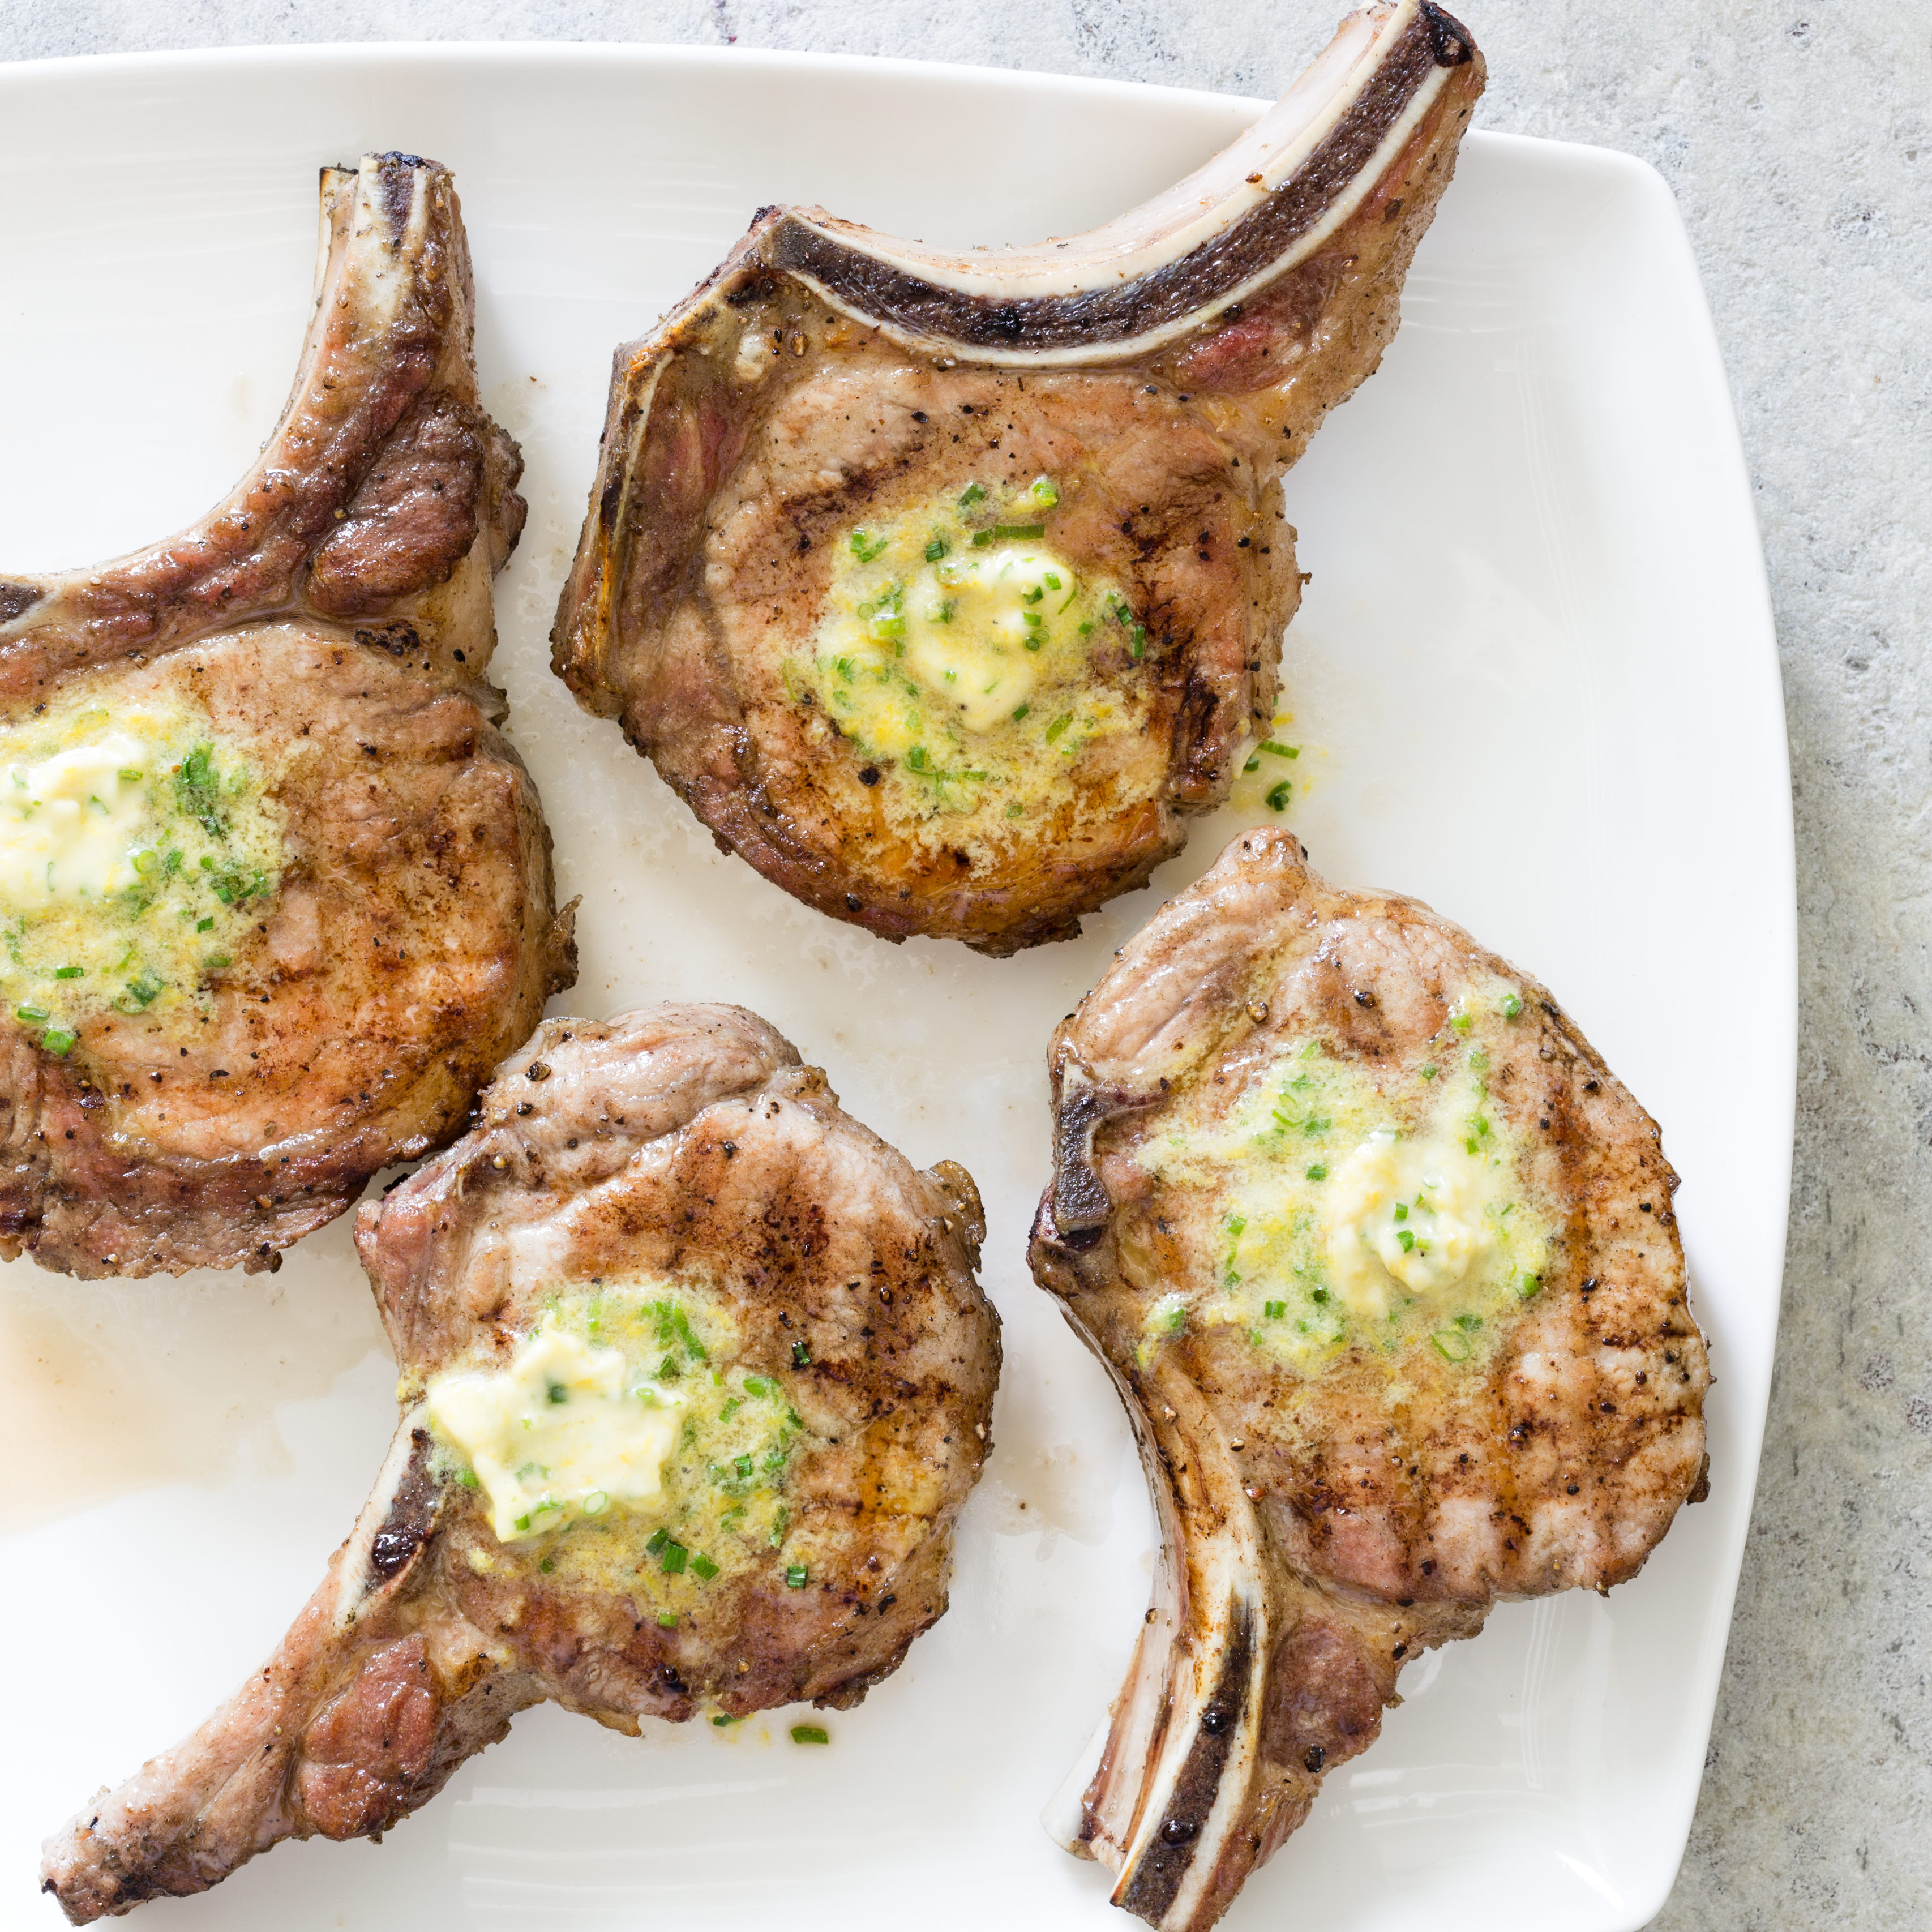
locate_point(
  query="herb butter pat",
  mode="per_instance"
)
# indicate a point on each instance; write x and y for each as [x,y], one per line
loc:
[68,824]
[1407,1218]
[561,1433]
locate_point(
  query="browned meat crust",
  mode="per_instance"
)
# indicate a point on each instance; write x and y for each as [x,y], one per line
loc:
[333,615]
[1322,1532]
[673,1139]
[815,380]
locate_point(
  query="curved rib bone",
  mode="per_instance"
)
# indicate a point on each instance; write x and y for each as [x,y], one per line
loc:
[391,327]
[380,1691]
[1260,207]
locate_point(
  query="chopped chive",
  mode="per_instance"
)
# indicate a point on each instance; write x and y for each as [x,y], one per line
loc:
[69,972]
[1253,765]
[1511,1006]
[557,1392]
[1428,1072]
[1318,1172]
[667,1620]
[672,1558]
[1277,797]
[796,1575]
[1402,1210]
[1138,649]
[801,1355]
[1001,532]
[1460,1021]
[721,1719]
[1407,1238]
[701,1565]
[1236,1224]
[866,546]
[1021,712]
[810,1734]
[468,1480]
[1469,1323]
[760,1385]
[30,1013]
[1280,751]
[1052,582]
[659,1539]
[1274,1310]
[547,1566]
[1527,1284]
[57,1041]
[1450,1345]
[974,493]
[1043,493]
[596,1502]
[128,772]
[146,861]
[935,550]
[1059,724]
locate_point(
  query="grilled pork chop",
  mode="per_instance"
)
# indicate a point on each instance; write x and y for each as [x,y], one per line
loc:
[1381,1258]
[277,894]
[943,588]
[695,1377]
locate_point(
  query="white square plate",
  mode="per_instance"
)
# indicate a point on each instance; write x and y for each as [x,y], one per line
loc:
[1535,677]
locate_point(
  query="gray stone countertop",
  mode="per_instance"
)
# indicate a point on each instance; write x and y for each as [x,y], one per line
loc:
[1798,136]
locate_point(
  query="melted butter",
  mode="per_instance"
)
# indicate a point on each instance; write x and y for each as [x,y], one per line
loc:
[565,1431]
[959,648]
[1355,1210]
[69,824]
[137,852]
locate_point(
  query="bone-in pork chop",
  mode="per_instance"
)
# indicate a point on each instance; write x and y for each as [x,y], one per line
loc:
[695,1376]
[1381,1258]
[277,894]
[944,587]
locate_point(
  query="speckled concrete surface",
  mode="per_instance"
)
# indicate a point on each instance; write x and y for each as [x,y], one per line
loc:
[1799,138]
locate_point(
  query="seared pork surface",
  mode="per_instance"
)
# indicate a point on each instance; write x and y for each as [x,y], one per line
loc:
[824,472]
[674,1187]
[229,1047]
[1381,1258]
